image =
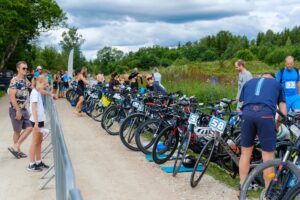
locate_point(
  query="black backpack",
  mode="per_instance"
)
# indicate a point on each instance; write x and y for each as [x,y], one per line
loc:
[282,70]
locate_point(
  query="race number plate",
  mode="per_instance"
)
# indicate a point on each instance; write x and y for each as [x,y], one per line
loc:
[290,84]
[217,124]
[135,104]
[193,118]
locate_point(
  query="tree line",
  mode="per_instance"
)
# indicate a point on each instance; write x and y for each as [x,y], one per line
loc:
[22,22]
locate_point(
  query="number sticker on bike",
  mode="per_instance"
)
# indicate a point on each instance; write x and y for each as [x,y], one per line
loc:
[217,124]
[193,118]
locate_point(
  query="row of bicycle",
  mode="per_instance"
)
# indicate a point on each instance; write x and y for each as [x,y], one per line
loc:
[175,128]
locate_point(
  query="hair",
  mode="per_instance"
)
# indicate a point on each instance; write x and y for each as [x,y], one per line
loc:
[241,62]
[155,69]
[289,58]
[39,79]
[269,73]
[21,63]
[113,75]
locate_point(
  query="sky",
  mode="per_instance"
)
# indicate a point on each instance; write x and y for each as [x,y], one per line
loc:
[131,24]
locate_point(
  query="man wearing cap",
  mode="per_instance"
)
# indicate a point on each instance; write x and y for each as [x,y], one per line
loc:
[38,71]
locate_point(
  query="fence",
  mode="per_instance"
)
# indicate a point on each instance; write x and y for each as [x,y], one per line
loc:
[64,174]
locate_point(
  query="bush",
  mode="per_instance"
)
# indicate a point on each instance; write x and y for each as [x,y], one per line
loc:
[276,57]
[209,55]
[245,54]
[165,62]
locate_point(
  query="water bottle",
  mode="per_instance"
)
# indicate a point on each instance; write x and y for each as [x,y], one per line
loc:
[292,179]
[160,146]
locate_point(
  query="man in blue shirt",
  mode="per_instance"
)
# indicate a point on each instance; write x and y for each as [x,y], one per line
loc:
[38,71]
[289,78]
[259,98]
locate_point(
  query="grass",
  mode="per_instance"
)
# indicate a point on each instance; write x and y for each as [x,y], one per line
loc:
[2,93]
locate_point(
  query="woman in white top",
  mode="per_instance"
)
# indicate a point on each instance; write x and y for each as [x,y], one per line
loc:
[158,87]
[37,118]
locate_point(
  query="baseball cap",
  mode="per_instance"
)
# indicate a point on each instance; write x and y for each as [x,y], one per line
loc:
[39,67]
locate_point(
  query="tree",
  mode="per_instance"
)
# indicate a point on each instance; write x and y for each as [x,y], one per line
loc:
[21,21]
[245,54]
[108,57]
[71,39]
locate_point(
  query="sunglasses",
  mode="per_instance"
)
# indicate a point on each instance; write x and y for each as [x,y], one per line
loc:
[24,68]
[150,78]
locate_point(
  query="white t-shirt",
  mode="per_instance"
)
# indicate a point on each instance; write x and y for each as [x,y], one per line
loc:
[35,96]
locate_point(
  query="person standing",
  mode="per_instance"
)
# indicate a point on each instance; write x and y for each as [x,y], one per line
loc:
[66,78]
[244,76]
[37,119]
[38,71]
[259,98]
[56,82]
[157,86]
[19,115]
[80,90]
[289,78]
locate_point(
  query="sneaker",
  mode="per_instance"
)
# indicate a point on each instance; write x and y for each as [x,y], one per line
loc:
[42,165]
[34,168]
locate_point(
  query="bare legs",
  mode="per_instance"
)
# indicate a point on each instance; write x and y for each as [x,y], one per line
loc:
[19,138]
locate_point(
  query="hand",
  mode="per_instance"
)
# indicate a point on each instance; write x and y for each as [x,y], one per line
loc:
[54,96]
[18,115]
[36,126]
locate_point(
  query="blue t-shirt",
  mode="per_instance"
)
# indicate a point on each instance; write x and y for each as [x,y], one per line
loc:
[289,81]
[264,91]
[36,74]
[65,78]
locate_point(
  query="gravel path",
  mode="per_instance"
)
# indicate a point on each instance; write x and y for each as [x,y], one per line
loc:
[105,169]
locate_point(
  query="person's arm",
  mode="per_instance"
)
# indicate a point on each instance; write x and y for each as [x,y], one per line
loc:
[35,115]
[46,93]
[81,77]
[298,86]
[282,109]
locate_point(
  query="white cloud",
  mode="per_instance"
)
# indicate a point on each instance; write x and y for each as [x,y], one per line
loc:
[131,24]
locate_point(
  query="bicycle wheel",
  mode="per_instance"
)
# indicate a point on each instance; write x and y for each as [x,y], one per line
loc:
[113,120]
[96,112]
[293,193]
[128,130]
[165,145]
[203,160]
[182,149]
[146,134]
[277,187]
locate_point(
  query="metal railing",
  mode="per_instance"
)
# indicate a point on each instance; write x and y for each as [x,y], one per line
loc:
[64,174]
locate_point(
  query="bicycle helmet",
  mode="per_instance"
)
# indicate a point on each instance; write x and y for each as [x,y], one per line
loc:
[189,161]
[204,132]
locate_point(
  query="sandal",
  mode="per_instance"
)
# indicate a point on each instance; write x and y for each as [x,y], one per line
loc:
[13,152]
[22,155]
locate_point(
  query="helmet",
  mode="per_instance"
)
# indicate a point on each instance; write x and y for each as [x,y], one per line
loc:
[189,161]
[204,132]
[283,132]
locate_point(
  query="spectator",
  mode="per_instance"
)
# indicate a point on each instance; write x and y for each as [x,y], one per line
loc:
[289,78]
[100,79]
[157,86]
[37,119]
[114,83]
[38,71]
[244,76]
[56,82]
[149,82]
[133,78]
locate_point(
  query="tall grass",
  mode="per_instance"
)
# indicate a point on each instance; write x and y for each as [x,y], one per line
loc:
[2,93]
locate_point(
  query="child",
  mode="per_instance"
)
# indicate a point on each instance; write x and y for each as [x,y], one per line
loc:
[37,119]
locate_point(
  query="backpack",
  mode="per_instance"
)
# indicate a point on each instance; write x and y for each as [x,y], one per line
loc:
[282,70]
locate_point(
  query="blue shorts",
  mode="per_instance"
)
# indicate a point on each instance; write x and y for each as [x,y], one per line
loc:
[292,102]
[258,121]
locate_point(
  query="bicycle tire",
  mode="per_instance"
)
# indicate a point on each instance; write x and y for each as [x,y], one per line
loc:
[108,120]
[143,147]
[194,182]
[292,193]
[128,141]
[182,149]
[155,155]
[259,170]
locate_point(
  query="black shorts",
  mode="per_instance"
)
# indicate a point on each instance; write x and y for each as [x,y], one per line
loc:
[41,124]
[258,122]
[66,84]
[55,85]
[79,91]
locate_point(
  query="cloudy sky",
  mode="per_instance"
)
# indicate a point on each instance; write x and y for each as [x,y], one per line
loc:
[131,24]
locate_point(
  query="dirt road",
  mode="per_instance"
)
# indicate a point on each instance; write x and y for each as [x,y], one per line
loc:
[16,183]
[105,169]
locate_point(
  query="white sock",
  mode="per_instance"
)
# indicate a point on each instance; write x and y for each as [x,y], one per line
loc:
[31,164]
[38,162]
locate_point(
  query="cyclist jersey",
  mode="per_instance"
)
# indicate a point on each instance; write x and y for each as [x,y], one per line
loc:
[289,81]
[263,91]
